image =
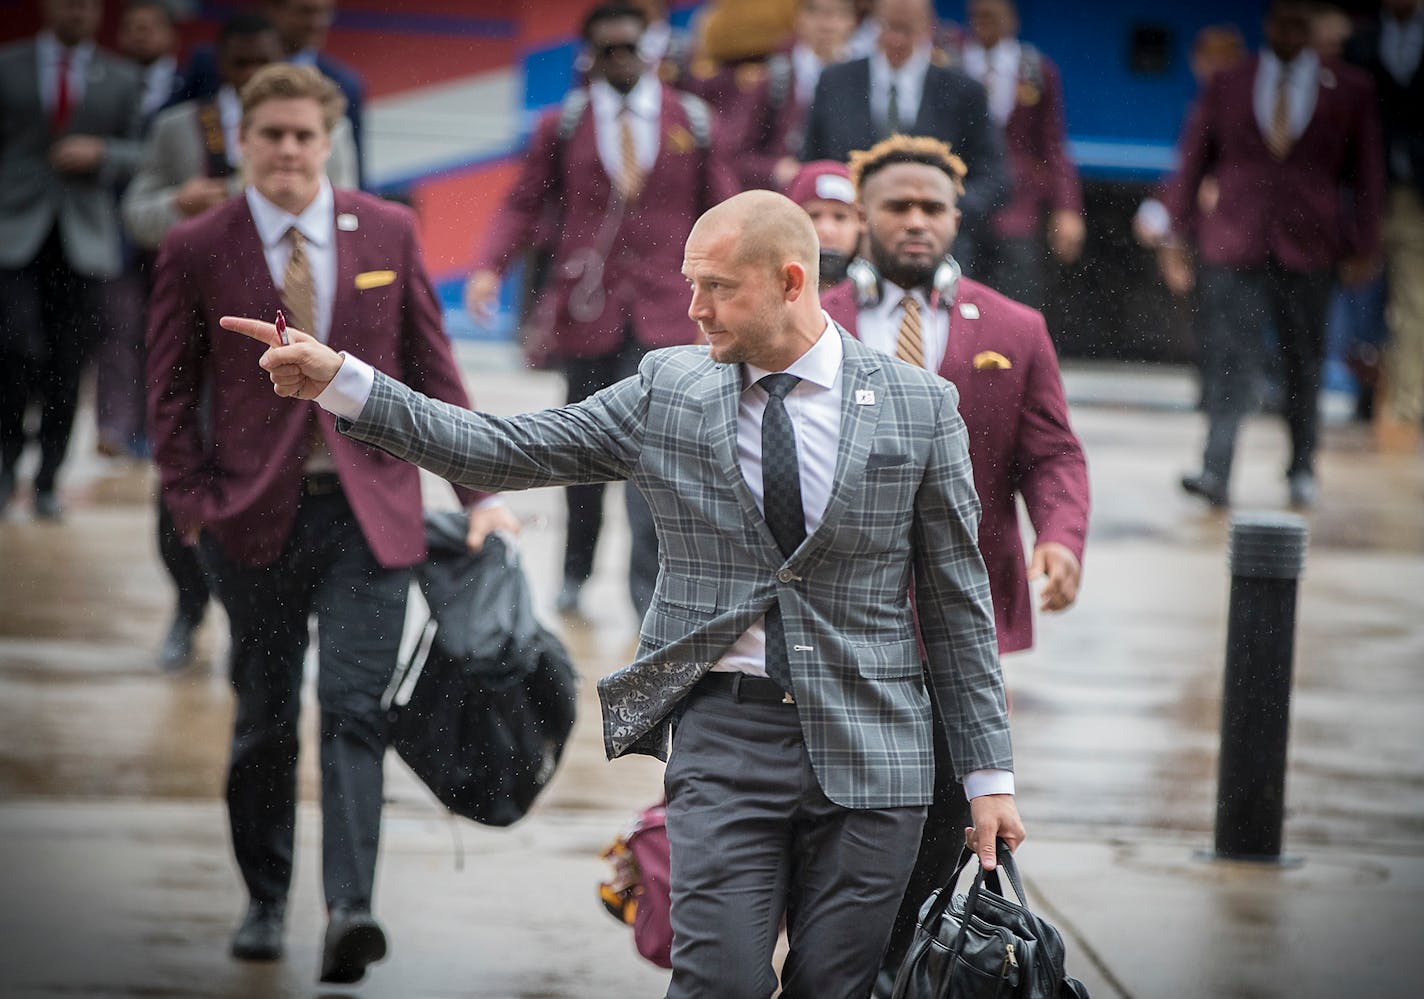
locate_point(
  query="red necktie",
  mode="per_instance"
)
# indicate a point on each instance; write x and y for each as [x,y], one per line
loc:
[59,116]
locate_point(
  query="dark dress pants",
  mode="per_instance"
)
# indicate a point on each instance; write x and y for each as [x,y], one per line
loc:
[327,569]
[50,320]
[183,567]
[753,837]
[585,376]
[1236,306]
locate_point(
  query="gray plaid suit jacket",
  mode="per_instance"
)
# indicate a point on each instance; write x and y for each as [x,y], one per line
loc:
[902,509]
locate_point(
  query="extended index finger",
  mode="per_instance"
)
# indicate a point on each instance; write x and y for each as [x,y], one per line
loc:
[255,328]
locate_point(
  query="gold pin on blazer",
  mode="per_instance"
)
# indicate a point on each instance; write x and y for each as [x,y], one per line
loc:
[991,360]
[374,279]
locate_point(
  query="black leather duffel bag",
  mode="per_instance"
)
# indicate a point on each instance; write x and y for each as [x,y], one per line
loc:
[981,944]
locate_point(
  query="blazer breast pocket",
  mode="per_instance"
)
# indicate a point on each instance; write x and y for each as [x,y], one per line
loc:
[688,599]
[879,460]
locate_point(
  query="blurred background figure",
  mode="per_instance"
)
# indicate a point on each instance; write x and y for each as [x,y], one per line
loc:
[302,26]
[1293,143]
[1026,101]
[907,87]
[148,37]
[613,180]
[825,191]
[70,115]
[1390,52]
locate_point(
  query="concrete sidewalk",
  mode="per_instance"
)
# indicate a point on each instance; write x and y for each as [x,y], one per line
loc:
[116,877]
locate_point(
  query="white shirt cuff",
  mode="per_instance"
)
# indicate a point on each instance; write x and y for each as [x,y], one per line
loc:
[1152,216]
[347,394]
[982,782]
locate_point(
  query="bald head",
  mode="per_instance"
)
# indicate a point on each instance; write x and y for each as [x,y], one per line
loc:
[769,229]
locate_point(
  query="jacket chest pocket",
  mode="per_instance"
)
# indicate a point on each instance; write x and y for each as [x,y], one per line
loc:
[686,598]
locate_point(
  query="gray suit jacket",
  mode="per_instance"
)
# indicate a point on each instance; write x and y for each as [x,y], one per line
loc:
[902,510]
[175,154]
[33,196]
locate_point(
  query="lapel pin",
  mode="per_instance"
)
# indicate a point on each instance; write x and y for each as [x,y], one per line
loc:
[969,310]
[346,222]
[865,397]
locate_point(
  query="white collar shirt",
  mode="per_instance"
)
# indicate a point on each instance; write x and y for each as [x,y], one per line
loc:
[1002,84]
[879,325]
[909,83]
[1401,45]
[814,406]
[157,84]
[1302,84]
[48,51]
[644,103]
[230,115]
[806,69]
[317,223]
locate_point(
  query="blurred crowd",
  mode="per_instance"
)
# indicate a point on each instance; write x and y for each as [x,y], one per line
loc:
[1292,227]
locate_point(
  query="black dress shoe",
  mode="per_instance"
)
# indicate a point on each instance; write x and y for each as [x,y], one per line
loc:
[47,506]
[1207,487]
[259,938]
[353,940]
[177,648]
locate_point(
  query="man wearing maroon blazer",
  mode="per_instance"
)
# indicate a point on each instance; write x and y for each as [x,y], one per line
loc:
[909,300]
[1026,101]
[1293,142]
[291,518]
[615,178]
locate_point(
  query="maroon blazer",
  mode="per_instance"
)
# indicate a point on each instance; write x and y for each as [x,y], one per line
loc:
[1035,138]
[230,451]
[761,118]
[611,266]
[1321,204]
[1020,441]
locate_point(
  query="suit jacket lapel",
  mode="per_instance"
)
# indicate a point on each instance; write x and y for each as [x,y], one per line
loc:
[860,414]
[721,393]
[924,115]
[346,245]
[860,121]
[251,255]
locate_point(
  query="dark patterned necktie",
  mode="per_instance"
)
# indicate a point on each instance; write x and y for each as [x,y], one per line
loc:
[781,505]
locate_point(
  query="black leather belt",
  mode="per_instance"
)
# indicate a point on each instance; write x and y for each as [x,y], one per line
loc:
[745,687]
[321,484]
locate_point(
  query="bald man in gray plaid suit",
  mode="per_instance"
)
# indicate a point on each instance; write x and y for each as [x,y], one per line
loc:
[801,484]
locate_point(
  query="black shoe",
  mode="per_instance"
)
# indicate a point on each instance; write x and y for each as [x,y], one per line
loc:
[47,506]
[567,601]
[177,648]
[1302,490]
[353,940]
[259,938]
[1207,487]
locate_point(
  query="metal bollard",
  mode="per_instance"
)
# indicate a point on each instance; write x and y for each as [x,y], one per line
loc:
[1267,555]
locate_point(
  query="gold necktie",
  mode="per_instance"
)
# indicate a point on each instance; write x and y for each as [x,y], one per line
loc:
[298,291]
[909,345]
[1280,140]
[630,178]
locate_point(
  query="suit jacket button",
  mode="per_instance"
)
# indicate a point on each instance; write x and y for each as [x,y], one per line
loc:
[785,576]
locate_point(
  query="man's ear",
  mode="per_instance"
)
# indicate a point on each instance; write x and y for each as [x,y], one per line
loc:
[793,277]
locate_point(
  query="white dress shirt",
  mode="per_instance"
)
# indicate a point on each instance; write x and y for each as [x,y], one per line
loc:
[230,115]
[157,84]
[645,102]
[1401,46]
[47,52]
[1003,86]
[806,69]
[1302,83]
[909,81]
[318,224]
[814,407]
[879,325]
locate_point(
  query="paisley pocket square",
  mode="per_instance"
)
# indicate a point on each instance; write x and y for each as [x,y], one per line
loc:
[991,360]
[374,279]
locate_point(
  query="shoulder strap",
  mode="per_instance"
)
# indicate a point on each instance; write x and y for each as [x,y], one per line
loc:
[699,118]
[575,103]
[1031,64]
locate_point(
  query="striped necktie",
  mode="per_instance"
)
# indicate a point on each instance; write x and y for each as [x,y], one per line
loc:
[910,344]
[630,177]
[1280,139]
[298,291]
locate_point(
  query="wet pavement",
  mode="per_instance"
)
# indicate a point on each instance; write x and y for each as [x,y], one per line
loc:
[116,878]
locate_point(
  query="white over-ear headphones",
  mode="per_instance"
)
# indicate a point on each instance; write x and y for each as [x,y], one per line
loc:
[869,286]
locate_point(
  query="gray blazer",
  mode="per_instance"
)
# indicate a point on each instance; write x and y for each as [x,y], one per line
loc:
[903,510]
[175,154]
[32,195]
